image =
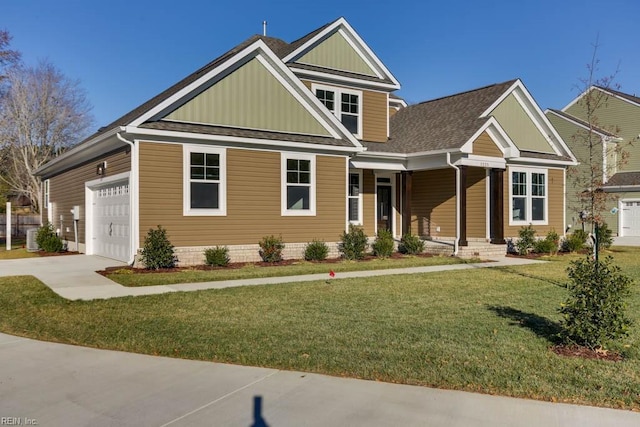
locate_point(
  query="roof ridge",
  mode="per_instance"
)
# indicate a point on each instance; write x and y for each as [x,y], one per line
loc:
[468,91]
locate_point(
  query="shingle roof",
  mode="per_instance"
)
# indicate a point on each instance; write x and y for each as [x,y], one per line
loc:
[546,156]
[583,123]
[339,72]
[631,98]
[244,133]
[624,178]
[443,123]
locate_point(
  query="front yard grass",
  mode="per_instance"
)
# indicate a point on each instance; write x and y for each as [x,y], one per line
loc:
[17,250]
[251,271]
[486,330]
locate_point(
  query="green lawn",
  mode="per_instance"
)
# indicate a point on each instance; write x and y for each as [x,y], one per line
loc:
[17,250]
[488,330]
[127,278]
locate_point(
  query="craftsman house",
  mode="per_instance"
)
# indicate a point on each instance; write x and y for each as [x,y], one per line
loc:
[302,139]
[616,130]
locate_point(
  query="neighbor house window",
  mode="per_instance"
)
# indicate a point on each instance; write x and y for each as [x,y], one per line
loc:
[528,196]
[45,203]
[298,184]
[354,198]
[204,180]
[345,104]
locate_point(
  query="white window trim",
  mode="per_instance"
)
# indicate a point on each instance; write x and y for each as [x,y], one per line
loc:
[338,91]
[46,185]
[186,180]
[283,185]
[359,196]
[529,196]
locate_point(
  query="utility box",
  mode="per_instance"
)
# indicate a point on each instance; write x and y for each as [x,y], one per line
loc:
[32,246]
[75,211]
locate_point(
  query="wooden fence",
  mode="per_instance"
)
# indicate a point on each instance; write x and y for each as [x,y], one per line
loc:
[20,223]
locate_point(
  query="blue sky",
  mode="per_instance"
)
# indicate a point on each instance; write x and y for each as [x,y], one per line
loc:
[125,52]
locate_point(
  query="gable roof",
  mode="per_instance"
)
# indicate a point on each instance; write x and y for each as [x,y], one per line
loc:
[581,123]
[624,179]
[631,98]
[441,124]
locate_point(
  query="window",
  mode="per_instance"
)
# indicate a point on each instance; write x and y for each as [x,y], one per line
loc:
[298,184]
[204,180]
[528,196]
[348,110]
[354,198]
[45,202]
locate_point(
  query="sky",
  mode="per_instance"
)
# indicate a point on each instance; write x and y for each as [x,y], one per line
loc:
[125,52]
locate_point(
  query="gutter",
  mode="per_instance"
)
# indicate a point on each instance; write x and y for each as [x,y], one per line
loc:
[457,169]
[133,191]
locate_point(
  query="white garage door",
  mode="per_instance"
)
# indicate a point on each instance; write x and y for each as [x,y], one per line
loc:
[111,221]
[631,218]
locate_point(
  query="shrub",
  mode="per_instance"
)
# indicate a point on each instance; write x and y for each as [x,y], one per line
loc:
[575,241]
[354,243]
[157,251]
[526,240]
[316,251]
[383,246]
[548,245]
[411,244]
[271,248]
[604,236]
[594,312]
[47,239]
[217,257]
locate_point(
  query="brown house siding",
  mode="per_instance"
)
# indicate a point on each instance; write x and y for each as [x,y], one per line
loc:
[484,146]
[374,117]
[433,203]
[68,189]
[368,202]
[555,208]
[476,203]
[253,199]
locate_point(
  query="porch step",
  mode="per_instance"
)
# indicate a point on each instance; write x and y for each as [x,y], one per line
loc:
[483,250]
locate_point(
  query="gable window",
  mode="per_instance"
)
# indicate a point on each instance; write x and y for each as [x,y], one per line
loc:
[204,180]
[528,198]
[345,104]
[354,198]
[298,184]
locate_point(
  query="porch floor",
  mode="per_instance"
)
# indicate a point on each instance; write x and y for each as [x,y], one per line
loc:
[474,249]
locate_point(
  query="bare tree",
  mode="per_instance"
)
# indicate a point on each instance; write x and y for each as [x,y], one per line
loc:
[42,113]
[7,56]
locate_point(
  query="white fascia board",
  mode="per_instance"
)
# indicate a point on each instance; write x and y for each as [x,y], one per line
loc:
[500,99]
[545,161]
[354,46]
[342,79]
[498,135]
[576,99]
[279,145]
[401,102]
[482,162]
[621,188]
[539,120]
[341,22]
[397,165]
[383,155]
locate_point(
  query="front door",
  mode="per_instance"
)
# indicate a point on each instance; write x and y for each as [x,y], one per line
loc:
[384,207]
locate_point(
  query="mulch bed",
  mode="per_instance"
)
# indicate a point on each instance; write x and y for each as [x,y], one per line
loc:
[237,265]
[586,353]
[43,253]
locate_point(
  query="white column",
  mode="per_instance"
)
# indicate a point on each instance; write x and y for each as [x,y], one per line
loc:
[8,226]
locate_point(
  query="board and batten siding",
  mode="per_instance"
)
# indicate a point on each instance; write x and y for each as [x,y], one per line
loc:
[476,203]
[253,199]
[433,203]
[555,210]
[484,146]
[67,190]
[336,53]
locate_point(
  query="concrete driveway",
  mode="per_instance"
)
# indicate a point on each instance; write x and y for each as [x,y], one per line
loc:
[55,385]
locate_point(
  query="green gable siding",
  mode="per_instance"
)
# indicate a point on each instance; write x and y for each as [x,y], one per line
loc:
[621,118]
[250,97]
[336,53]
[519,126]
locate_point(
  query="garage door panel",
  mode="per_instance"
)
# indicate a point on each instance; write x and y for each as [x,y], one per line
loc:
[631,218]
[111,226]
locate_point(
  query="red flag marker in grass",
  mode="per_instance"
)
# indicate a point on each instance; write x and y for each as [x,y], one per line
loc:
[332,274]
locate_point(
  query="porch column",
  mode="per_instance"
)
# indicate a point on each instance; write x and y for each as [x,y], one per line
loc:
[462,193]
[407,192]
[497,206]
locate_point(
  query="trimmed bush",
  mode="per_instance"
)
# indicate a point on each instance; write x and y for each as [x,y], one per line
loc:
[604,236]
[354,243]
[317,250]
[48,240]
[157,251]
[383,245]
[411,244]
[271,248]
[575,241]
[526,240]
[217,257]
[548,245]
[594,313]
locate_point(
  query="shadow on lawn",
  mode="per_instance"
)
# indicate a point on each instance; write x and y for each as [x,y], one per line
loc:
[532,276]
[541,326]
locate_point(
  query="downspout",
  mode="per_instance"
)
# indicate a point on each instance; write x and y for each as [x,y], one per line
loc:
[132,191]
[457,239]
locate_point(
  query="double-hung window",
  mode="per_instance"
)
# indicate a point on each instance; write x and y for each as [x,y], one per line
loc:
[204,180]
[298,184]
[528,198]
[354,198]
[345,104]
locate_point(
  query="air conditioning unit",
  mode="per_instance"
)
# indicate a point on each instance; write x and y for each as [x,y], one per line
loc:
[32,246]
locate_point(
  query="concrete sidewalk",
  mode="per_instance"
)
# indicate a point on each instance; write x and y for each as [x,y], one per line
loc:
[57,384]
[74,277]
